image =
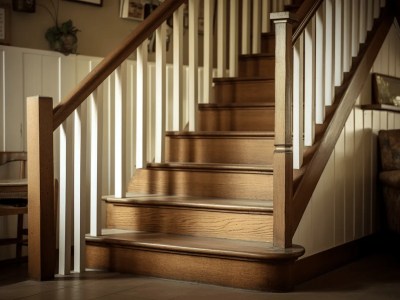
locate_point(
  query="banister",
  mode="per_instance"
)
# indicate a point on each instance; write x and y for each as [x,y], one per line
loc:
[113,60]
[304,14]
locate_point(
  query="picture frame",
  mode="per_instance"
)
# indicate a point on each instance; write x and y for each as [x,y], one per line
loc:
[90,2]
[27,6]
[137,10]
[5,24]
[385,89]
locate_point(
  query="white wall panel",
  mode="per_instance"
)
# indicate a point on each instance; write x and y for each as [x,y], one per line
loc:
[344,205]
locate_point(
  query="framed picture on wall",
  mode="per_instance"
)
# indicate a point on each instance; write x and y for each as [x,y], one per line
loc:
[386,89]
[91,2]
[136,9]
[5,23]
[27,6]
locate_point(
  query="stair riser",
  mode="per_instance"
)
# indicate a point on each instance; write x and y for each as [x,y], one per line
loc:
[268,44]
[202,183]
[246,91]
[194,222]
[257,66]
[275,275]
[236,119]
[220,150]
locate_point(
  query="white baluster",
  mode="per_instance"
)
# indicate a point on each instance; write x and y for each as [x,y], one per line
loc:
[329,50]
[208,49]
[319,67]
[266,21]
[281,5]
[79,203]
[221,27]
[193,63]
[246,26]
[96,144]
[256,36]
[309,84]
[65,209]
[233,38]
[120,131]
[298,111]
[338,42]
[141,106]
[377,7]
[355,19]
[370,14]
[160,93]
[275,5]
[363,21]
[346,44]
[178,70]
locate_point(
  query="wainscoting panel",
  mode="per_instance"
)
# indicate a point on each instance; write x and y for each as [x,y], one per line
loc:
[345,204]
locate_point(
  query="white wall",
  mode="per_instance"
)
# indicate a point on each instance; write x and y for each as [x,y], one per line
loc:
[344,206]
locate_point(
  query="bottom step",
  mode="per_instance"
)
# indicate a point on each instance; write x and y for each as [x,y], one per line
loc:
[235,263]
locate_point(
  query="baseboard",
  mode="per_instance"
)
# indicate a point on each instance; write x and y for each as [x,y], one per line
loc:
[323,262]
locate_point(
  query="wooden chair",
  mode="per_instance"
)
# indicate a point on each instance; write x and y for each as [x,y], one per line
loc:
[14,197]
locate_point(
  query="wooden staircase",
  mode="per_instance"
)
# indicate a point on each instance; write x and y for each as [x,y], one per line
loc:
[206,214]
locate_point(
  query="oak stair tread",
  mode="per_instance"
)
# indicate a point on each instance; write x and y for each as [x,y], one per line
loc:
[221,134]
[237,105]
[257,55]
[203,203]
[203,246]
[242,79]
[217,167]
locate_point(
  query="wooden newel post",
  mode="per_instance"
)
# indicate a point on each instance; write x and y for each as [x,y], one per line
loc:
[283,154]
[41,233]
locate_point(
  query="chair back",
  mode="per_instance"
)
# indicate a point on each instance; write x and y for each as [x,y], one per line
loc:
[15,156]
[389,144]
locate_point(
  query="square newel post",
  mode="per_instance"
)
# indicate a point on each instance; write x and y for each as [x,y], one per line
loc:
[283,154]
[41,225]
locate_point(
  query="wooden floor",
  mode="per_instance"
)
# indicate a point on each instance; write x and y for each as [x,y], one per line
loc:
[376,276]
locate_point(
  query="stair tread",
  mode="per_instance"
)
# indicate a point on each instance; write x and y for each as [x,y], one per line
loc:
[221,134]
[258,55]
[236,249]
[242,79]
[233,105]
[246,205]
[213,167]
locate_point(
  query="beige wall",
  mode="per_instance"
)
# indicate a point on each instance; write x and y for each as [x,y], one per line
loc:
[101,27]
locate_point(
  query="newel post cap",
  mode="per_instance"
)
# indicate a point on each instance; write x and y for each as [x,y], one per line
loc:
[283,16]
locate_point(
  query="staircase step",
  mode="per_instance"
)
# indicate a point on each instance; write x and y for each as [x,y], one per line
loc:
[242,264]
[253,65]
[220,147]
[268,42]
[236,117]
[196,216]
[204,180]
[244,90]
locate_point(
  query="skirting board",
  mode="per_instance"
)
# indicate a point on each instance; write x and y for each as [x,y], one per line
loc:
[323,262]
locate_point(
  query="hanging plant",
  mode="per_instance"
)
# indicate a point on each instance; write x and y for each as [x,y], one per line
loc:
[62,38]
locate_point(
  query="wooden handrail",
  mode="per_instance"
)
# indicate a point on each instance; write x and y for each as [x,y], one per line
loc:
[304,14]
[345,100]
[113,60]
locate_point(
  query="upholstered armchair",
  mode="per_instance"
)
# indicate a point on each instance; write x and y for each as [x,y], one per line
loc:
[389,176]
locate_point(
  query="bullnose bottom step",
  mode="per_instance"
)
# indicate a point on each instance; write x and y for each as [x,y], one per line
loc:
[236,263]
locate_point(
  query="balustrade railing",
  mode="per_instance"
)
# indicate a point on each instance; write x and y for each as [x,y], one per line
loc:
[311,60]
[174,108]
